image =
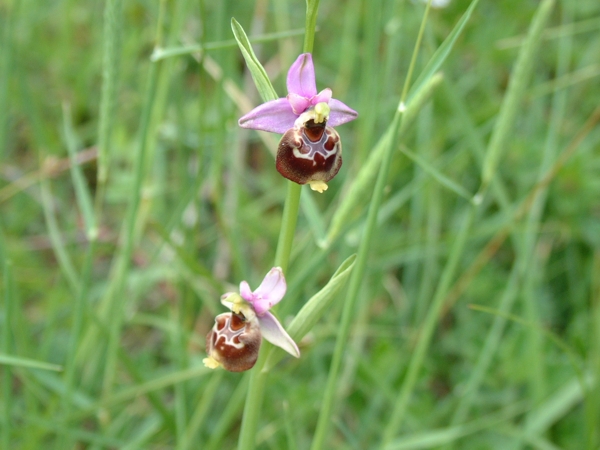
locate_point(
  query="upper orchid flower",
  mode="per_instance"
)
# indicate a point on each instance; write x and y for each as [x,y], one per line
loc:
[235,339]
[310,150]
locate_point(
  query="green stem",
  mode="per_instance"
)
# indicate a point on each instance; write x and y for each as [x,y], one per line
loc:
[288,226]
[110,66]
[76,331]
[427,329]
[349,304]
[312,6]
[258,377]
[7,377]
[358,273]
[117,288]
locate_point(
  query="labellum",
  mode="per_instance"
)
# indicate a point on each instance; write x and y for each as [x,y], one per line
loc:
[309,153]
[234,341]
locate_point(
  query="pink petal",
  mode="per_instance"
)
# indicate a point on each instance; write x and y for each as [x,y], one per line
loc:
[275,116]
[299,104]
[246,292]
[323,96]
[340,113]
[301,77]
[273,332]
[270,292]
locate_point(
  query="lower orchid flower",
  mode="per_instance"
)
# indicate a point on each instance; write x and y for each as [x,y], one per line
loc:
[235,339]
[310,150]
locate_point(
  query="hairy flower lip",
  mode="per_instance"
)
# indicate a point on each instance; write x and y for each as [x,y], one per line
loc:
[278,116]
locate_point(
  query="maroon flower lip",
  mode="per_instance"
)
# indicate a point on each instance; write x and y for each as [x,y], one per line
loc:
[234,340]
[310,153]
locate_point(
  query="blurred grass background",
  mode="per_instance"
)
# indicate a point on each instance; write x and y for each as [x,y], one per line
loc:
[117,278]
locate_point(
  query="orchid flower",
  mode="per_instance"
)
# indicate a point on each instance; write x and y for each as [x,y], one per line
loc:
[235,339]
[310,150]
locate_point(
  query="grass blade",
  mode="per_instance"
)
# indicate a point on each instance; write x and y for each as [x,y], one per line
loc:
[84,199]
[314,309]
[259,75]
[437,175]
[365,177]
[17,361]
[514,95]
[441,53]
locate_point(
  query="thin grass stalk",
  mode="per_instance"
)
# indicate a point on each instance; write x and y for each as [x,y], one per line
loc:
[258,377]
[64,259]
[514,95]
[348,44]
[179,352]
[489,348]
[413,272]
[7,345]
[499,237]
[203,408]
[118,285]
[428,327]
[76,332]
[370,91]
[6,65]
[507,113]
[229,418]
[592,409]
[358,274]
[493,338]
[115,305]
[433,225]
[530,237]
[110,69]
[352,296]
[169,52]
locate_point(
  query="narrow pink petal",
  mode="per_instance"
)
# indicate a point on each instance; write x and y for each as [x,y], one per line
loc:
[299,104]
[340,113]
[275,116]
[273,332]
[301,77]
[323,96]
[246,292]
[270,292]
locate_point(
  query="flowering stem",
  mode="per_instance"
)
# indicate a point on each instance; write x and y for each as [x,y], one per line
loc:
[358,274]
[288,225]
[312,6]
[258,377]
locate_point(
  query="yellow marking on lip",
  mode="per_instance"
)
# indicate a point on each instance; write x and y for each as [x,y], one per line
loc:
[318,185]
[211,362]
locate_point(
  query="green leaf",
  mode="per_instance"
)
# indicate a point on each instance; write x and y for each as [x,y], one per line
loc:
[363,182]
[314,309]
[441,53]
[259,75]
[84,198]
[162,53]
[435,438]
[437,175]
[514,96]
[17,361]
